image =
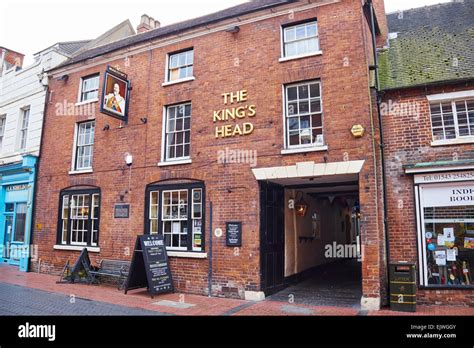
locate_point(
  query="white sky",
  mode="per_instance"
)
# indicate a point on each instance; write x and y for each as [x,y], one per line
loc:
[29,26]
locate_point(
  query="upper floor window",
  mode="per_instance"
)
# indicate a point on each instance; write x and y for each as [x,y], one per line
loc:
[452,119]
[89,88]
[84,148]
[300,39]
[180,65]
[79,218]
[177,138]
[3,122]
[304,115]
[24,122]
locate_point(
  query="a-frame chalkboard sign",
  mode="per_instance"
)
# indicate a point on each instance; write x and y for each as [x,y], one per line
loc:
[80,271]
[150,268]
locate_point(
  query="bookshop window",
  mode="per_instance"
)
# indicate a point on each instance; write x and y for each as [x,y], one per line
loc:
[449,240]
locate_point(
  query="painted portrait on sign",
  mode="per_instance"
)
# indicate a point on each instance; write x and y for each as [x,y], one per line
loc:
[115,96]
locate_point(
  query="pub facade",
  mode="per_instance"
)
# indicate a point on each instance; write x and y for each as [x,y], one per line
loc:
[246,138]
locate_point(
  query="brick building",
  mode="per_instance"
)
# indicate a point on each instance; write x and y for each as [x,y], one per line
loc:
[428,120]
[260,115]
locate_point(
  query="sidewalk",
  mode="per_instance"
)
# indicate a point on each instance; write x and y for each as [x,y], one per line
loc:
[184,304]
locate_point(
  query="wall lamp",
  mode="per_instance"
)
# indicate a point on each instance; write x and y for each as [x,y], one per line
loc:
[63,78]
[233,30]
[301,206]
[144,120]
[106,128]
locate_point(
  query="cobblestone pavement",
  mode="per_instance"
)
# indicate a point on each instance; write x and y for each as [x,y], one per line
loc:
[19,300]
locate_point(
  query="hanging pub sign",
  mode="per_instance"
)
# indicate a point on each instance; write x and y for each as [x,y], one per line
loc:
[234,234]
[115,94]
[150,267]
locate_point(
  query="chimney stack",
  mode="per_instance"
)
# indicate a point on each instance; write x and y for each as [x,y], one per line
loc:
[147,23]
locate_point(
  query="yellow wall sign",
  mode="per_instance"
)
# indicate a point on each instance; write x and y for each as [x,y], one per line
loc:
[234,111]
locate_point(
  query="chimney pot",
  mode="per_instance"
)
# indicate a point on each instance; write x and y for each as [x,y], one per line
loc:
[147,23]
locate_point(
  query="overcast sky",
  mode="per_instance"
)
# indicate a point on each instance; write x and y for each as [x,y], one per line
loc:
[28,26]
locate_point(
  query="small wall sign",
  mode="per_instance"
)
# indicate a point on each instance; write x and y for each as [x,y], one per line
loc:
[21,187]
[234,234]
[122,211]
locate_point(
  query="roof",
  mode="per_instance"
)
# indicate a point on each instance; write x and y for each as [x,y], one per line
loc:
[173,29]
[121,30]
[434,44]
[68,48]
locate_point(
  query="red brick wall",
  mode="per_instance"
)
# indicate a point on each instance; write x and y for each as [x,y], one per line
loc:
[408,141]
[232,188]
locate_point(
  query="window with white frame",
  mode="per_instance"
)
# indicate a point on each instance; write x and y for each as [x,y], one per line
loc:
[452,119]
[177,132]
[180,65]
[304,115]
[84,150]
[3,122]
[177,213]
[300,39]
[79,218]
[89,88]
[24,122]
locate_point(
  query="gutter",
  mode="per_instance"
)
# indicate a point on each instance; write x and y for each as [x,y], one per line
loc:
[382,143]
[430,84]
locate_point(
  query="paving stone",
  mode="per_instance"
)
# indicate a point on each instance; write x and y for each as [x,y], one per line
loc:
[19,300]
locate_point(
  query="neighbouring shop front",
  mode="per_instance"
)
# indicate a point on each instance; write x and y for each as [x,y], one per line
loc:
[17,184]
[445,225]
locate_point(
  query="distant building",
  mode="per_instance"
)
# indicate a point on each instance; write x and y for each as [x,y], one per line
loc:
[427,76]
[23,92]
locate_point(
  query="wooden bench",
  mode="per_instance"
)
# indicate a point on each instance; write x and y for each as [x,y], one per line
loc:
[115,269]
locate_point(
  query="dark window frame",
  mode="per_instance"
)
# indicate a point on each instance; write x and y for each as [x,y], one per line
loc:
[70,192]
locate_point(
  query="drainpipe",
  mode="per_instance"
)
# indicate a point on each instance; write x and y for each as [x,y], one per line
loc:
[382,144]
[209,276]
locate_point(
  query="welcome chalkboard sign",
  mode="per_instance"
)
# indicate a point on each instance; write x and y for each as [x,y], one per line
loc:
[150,267]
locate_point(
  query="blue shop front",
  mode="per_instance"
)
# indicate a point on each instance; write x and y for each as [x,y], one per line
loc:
[17,185]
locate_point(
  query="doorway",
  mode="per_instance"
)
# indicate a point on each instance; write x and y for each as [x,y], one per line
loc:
[14,230]
[313,254]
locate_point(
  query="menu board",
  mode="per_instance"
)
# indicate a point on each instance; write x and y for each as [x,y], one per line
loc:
[234,234]
[150,266]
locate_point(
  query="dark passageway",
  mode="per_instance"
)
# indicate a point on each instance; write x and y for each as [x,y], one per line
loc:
[334,284]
